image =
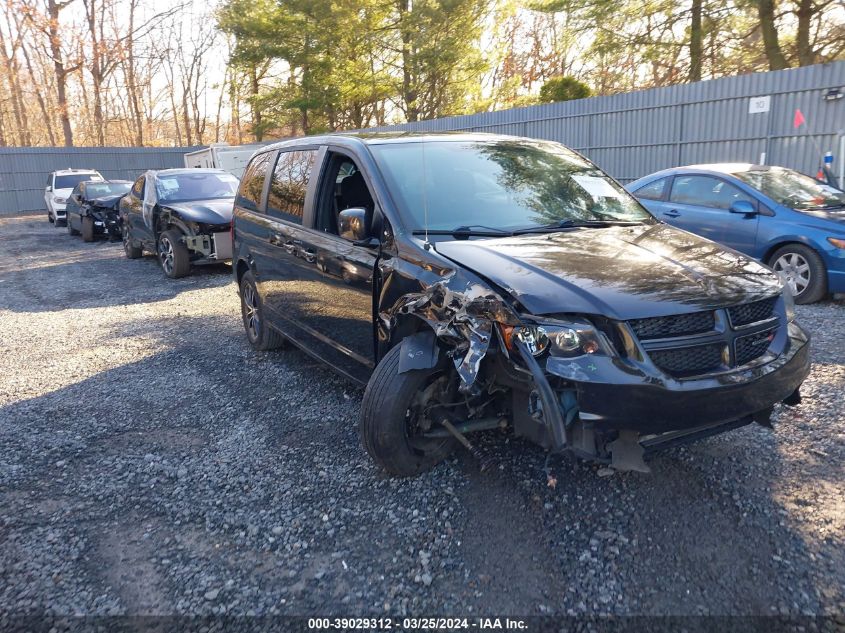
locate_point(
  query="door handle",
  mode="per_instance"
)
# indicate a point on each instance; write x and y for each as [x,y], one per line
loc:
[674,213]
[310,255]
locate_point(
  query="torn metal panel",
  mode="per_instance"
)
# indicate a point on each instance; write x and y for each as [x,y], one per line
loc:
[460,312]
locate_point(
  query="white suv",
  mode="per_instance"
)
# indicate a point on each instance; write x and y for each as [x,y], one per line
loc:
[59,186]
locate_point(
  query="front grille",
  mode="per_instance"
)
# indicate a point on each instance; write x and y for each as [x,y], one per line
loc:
[685,361]
[752,312]
[752,346]
[675,325]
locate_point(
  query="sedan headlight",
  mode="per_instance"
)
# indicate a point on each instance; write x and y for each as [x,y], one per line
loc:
[566,339]
[60,200]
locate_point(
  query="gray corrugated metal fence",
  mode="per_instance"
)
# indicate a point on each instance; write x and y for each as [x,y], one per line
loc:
[635,134]
[628,135]
[24,170]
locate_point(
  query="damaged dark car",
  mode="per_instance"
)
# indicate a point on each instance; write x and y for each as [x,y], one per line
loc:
[478,282]
[181,215]
[93,209]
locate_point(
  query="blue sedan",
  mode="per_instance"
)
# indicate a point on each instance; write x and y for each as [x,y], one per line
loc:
[787,220]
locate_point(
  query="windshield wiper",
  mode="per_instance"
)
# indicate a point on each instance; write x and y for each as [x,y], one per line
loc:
[474,230]
[574,224]
[824,207]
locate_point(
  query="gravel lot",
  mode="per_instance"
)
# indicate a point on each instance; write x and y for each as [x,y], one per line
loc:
[152,463]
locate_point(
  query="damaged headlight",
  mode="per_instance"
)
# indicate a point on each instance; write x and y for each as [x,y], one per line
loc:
[562,339]
[789,304]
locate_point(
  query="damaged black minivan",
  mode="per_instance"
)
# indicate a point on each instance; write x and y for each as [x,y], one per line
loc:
[477,282]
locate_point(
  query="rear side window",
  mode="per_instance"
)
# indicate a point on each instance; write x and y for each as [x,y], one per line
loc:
[286,199]
[706,191]
[252,184]
[653,190]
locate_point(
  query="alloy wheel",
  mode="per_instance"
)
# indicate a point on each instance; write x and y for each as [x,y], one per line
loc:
[795,270]
[251,316]
[165,254]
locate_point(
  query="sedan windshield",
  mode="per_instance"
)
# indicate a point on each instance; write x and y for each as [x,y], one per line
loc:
[100,190]
[186,187]
[792,189]
[505,185]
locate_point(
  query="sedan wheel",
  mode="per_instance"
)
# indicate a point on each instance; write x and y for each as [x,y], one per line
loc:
[165,254]
[795,270]
[802,270]
[173,254]
[132,251]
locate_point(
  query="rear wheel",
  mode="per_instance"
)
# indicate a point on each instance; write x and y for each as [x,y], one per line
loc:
[132,251]
[394,415]
[803,270]
[70,229]
[258,331]
[173,255]
[87,228]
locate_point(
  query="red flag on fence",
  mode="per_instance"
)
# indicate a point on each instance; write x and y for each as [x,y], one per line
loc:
[798,120]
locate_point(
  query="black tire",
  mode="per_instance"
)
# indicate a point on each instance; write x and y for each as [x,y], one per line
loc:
[70,229]
[805,272]
[173,255]
[260,335]
[383,425]
[49,217]
[132,251]
[87,228]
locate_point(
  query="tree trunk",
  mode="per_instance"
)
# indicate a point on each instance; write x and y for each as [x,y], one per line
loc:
[53,9]
[766,14]
[257,132]
[42,105]
[131,78]
[186,116]
[409,89]
[806,55]
[13,87]
[696,37]
[96,72]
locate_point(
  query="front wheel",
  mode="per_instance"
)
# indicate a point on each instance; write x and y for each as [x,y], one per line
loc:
[261,336]
[87,228]
[394,416]
[173,255]
[70,229]
[803,271]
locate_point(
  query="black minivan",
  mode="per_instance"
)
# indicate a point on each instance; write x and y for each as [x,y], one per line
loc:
[476,282]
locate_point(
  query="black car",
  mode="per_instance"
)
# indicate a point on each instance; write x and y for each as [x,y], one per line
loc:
[182,215]
[92,208]
[478,282]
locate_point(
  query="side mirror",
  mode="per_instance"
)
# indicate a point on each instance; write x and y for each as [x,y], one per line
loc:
[743,207]
[352,224]
[49,188]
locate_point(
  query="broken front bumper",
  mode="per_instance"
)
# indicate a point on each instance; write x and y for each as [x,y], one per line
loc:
[613,394]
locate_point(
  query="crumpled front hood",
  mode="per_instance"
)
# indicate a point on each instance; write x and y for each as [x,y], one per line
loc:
[206,211]
[107,202]
[619,272]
